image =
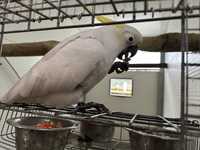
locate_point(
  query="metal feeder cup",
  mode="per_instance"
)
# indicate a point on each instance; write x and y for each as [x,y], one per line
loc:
[142,140]
[30,137]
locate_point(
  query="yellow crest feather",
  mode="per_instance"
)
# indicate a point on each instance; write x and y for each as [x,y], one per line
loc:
[104,19]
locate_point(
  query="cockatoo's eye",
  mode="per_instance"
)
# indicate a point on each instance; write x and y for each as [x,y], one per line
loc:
[130,38]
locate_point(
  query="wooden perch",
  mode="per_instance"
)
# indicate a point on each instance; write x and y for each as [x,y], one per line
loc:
[170,42]
[28,49]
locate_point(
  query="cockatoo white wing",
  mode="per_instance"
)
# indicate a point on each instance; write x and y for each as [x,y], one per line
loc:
[61,73]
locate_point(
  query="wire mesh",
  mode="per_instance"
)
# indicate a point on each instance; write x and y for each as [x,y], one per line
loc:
[119,120]
[36,14]
[7,132]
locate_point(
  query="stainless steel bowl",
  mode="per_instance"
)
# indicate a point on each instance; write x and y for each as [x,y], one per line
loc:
[97,130]
[141,140]
[29,137]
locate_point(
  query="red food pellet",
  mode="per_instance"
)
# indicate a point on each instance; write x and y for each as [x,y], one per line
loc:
[46,125]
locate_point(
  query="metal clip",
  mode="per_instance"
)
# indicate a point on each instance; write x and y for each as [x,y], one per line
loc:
[62,18]
[98,115]
[39,19]
[152,12]
[79,16]
[74,11]
[170,123]
[123,13]
[133,119]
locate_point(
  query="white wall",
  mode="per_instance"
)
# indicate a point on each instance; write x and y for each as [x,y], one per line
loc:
[145,98]
[194,85]
[171,107]
[8,76]
[172,84]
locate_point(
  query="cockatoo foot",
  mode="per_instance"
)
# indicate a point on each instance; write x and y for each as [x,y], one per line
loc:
[119,67]
[83,107]
[85,139]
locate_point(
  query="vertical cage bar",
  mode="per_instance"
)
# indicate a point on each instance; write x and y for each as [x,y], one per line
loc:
[58,15]
[2,28]
[93,12]
[184,48]
[1,37]
[114,7]
[30,14]
[134,9]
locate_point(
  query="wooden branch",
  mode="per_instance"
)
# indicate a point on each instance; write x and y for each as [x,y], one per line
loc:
[28,49]
[170,42]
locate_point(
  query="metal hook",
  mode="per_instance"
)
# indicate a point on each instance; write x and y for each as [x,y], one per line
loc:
[79,16]
[74,11]
[39,19]
[50,14]
[103,9]
[189,8]
[33,16]
[98,115]
[152,12]
[123,14]
[62,18]
[133,119]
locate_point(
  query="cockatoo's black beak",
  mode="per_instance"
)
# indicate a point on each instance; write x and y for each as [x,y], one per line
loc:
[128,53]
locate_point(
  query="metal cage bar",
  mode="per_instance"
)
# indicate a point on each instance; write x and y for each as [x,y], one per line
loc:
[25,8]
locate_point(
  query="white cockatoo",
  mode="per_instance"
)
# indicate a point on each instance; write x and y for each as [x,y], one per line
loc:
[73,67]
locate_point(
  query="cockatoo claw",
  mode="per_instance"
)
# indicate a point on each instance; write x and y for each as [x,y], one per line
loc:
[99,107]
[83,107]
[79,108]
[119,67]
